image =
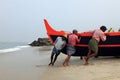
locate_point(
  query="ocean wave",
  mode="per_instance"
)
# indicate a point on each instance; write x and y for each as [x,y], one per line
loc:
[13,49]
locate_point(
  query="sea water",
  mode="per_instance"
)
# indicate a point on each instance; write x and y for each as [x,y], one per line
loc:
[12,46]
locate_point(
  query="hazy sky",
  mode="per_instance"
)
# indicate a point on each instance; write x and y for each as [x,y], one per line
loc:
[22,20]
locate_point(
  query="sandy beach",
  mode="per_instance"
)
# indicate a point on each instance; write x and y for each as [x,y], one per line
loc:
[32,64]
[102,68]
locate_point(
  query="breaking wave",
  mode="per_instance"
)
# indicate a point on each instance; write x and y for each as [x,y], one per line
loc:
[13,49]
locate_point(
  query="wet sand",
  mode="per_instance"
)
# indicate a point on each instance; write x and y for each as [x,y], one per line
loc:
[22,64]
[32,64]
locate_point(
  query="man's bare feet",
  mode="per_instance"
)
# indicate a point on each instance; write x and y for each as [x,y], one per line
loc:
[63,65]
[86,63]
[50,64]
[67,64]
[85,60]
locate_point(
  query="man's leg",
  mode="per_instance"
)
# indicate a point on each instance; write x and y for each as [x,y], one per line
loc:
[52,54]
[66,61]
[93,54]
[87,57]
[55,59]
[68,58]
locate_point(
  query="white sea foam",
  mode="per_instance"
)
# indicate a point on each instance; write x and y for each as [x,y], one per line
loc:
[13,49]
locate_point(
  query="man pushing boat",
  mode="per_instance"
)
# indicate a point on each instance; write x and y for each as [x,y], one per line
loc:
[97,35]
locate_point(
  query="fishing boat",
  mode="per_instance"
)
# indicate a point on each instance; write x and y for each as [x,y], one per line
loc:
[111,47]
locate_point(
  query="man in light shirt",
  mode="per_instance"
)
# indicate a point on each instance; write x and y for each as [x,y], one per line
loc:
[97,35]
[59,44]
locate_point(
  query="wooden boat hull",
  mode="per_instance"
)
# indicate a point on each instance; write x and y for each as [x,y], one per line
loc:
[111,47]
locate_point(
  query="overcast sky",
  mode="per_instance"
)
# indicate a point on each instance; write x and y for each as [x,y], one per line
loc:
[22,20]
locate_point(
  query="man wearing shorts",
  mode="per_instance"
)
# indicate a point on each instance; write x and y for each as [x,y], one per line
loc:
[97,35]
[59,44]
[72,40]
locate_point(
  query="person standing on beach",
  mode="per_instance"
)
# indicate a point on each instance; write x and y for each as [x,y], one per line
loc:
[97,35]
[72,40]
[59,44]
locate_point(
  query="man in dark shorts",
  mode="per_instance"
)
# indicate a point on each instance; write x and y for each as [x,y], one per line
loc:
[59,44]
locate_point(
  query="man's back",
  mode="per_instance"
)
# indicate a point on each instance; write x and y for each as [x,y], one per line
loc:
[72,39]
[99,34]
[59,43]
